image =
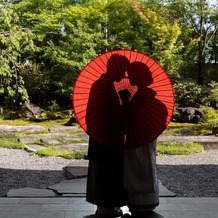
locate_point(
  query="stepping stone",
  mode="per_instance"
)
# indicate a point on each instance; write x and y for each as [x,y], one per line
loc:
[30,192]
[164,192]
[25,128]
[50,135]
[78,186]
[33,147]
[208,142]
[76,169]
[69,139]
[73,186]
[50,141]
[47,135]
[83,135]
[73,147]
[27,140]
[63,128]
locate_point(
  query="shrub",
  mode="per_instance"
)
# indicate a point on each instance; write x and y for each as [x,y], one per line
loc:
[211,98]
[188,93]
[211,115]
[54,107]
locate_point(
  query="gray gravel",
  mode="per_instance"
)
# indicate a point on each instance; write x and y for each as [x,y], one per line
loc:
[18,169]
[192,176]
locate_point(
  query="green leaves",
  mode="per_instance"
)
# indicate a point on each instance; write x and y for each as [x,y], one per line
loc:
[188,94]
[45,43]
[199,26]
[15,45]
[136,25]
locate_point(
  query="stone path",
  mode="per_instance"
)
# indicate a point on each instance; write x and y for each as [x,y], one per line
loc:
[208,142]
[62,138]
[25,128]
[72,138]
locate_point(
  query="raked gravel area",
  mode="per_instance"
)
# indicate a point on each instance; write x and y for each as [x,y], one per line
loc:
[19,169]
[193,175]
[188,176]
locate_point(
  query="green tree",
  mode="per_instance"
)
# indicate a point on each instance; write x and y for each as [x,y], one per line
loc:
[68,35]
[15,43]
[136,25]
[199,22]
[45,43]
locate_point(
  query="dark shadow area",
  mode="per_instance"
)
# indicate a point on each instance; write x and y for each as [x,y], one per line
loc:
[15,178]
[147,215]
[190,180]
[184,180]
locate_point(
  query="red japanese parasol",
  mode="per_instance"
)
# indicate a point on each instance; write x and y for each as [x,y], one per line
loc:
[123,99]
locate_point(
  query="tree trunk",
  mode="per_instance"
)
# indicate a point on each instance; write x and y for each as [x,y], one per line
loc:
[200,64]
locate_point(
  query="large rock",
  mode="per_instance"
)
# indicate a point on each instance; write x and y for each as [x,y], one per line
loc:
[188,114]
[30,111]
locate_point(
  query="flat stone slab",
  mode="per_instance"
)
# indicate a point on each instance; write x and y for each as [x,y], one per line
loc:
[164,192]
[69,139]
[61,136]
[33,147]
[73,186]
[73,147]
[27,140]
[50,141]
[78,163]
[63,128]
[76,169]
[25,128]
[30,192]
[83,135]
[209,142]
[48,135]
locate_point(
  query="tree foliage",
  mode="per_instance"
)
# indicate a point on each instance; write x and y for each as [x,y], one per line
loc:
[133,25]
[198,20]
[45,43]
[15,43]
